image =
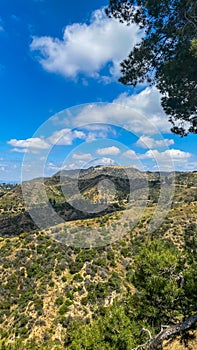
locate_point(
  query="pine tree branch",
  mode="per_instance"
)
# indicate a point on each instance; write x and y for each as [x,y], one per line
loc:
[154,342]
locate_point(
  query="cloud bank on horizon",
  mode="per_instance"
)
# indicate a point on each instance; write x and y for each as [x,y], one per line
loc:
[93,134]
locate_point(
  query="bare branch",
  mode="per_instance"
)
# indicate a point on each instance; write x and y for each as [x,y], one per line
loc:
[166,332]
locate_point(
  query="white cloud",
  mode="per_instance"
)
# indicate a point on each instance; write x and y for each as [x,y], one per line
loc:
[175,154]
[138,113]
[61,137]
[92,136]
[167,160]
[80,164]
[65,137]
[113,150]
[99,130]
[106,161]
[130,154]
[190,166]
[147,104]
[87,48]
[31,143]
[52,166]
[149,142]
[80,156]
[20,150]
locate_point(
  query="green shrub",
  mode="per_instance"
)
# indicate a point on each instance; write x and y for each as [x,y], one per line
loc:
[59,301]
[78,278]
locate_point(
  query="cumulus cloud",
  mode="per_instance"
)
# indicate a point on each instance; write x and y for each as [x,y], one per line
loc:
[31,143]
[61,137]
[149,142]
[167,160]
[106,161]
[130,154]
[148,104]
[65,137]
[52,166]
[96,131]
[87,48]
[138,113]
[113,150]
[141,113]
[92,136]
[80,156]
[20,150]
[190,166]
[175,154]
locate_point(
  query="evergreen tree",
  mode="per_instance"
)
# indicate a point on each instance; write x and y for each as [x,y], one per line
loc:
[166,56]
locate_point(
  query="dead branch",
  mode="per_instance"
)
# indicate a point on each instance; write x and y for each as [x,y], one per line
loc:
[154,342]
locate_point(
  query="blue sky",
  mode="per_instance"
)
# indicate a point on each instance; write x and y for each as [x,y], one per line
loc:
[56,55]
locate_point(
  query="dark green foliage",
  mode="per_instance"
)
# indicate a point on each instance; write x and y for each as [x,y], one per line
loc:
[75,267]
[69,295]
[166,56]
[78,278]
[156,274]
[59,300]
[159,299]
[65,307]
[86,255]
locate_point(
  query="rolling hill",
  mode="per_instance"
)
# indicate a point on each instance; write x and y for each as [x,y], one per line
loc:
[62,294]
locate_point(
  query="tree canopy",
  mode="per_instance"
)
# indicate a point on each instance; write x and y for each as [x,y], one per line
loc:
[162,306]
[166,56]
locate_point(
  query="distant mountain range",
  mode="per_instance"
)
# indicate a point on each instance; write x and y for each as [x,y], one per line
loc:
[9,182]
[79,185]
